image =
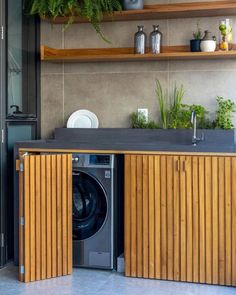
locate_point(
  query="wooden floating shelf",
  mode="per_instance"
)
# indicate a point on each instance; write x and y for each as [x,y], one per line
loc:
[165,11]
[126,54]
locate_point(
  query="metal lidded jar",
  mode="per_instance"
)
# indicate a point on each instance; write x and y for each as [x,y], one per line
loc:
[140,41]
[155,40]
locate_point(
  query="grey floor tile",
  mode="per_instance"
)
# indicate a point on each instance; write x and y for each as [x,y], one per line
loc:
[91,282]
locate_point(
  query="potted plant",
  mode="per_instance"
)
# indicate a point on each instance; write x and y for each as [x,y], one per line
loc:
[92,10]
[195,43]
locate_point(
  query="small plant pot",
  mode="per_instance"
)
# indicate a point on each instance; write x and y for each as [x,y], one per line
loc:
[195,45]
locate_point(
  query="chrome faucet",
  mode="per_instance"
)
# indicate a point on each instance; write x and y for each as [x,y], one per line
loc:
[195,139]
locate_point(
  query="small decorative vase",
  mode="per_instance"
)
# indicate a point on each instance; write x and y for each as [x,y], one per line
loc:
[133,4]
[208,43]
[155,40]
[195,45]
[226,35]
[140,41]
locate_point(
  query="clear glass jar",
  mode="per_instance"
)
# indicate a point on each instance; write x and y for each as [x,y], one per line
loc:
[140,41]
[155,40]
[226,34]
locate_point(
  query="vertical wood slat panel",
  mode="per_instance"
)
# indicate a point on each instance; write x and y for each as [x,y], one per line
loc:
[208,213]
[176,219]
[43,218]
[157,178]
[195,171]
[32,219]
[203,215]
[127,209]
[40,212]
[64,216]
[228,225]
[151,215]
[59,216]
[69,213]
[233,179]
[26,233]
[21,228]
[38,218]
[215,222]
[145,219]
[202,222]
[189,220]
[54,215]
[133,218]
[139,217]
[221,185]
[183,225]
[164,241]
[48,216]
[170,225]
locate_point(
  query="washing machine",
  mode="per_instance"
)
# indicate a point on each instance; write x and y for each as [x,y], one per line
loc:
[97,206]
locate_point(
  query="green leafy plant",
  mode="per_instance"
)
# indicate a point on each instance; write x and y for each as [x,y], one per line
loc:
[92,10]
[197,35]
[224,114]
[175,108]
[162,98]
[138,120]
[202,121]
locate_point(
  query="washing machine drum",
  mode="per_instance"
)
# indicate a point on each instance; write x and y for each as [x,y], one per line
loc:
[89,206]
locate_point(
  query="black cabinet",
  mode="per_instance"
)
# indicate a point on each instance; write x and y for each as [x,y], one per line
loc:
[20,104]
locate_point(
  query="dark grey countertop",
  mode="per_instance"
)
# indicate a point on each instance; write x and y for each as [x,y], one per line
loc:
[216,141]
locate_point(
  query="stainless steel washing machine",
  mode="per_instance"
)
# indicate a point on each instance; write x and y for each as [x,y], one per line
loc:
[94,182]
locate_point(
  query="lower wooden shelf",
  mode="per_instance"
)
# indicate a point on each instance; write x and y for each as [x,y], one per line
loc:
[126,54]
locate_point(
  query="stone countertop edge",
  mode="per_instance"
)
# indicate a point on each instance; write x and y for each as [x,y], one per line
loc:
[138,147]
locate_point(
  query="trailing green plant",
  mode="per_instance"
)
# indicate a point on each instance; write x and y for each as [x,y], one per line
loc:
[197,35]
[224,114]
[162,98]
[92,10]
[138,120]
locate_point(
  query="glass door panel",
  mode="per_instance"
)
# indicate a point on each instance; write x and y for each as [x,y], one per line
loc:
[14,57]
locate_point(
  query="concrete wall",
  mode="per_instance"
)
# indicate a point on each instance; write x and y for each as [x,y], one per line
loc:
[114,90]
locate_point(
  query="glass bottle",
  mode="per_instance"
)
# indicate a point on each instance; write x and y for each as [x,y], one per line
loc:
[140,41]
[226,35]
[155,40]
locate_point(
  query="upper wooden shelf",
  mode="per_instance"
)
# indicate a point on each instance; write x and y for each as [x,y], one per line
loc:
[126,54]
[166,11]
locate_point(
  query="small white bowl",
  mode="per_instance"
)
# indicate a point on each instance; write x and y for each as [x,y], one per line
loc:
[208,45]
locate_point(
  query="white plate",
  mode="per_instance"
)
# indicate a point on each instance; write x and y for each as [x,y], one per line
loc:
[83,119]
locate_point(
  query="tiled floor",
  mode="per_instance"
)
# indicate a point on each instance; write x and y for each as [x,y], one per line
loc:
[91,282]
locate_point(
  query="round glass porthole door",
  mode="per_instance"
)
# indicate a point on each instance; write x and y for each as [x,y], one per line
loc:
[89,206]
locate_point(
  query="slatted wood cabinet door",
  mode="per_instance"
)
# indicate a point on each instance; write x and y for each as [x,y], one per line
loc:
[45,211]
[180,218]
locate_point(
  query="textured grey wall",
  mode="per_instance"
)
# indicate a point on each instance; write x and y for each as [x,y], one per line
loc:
[114,90]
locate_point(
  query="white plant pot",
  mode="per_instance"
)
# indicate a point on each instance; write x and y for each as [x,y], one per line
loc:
[208,46]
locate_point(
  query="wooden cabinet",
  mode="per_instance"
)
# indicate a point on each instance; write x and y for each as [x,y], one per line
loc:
[180,218]
[45,208]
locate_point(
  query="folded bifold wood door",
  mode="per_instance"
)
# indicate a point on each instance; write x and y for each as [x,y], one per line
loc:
[45,201]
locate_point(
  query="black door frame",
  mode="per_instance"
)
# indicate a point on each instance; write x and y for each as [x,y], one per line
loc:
[2,123]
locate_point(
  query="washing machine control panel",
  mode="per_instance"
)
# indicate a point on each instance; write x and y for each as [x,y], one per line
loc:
[92,160]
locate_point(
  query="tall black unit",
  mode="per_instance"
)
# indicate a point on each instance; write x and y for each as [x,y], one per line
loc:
[2,150]
[20,104]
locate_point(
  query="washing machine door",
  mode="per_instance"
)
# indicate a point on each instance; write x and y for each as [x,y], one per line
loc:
[89,206]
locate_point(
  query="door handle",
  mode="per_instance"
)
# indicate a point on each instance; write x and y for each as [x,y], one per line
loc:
[178,165]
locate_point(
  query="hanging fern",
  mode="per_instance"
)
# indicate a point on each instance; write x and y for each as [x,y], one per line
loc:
[92,10]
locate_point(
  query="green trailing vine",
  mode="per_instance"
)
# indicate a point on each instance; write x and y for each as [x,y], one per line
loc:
[92,10]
